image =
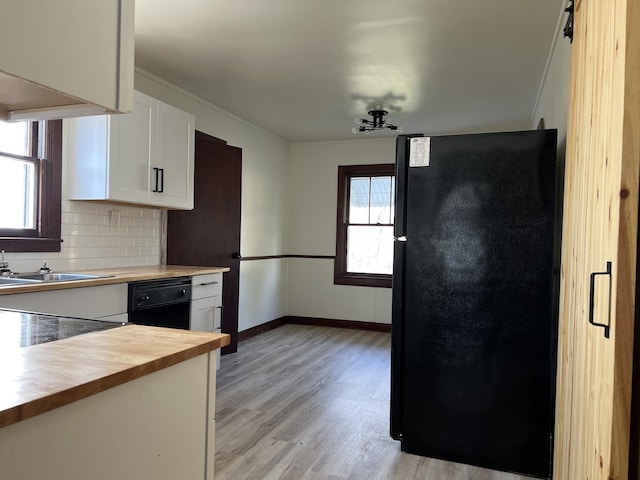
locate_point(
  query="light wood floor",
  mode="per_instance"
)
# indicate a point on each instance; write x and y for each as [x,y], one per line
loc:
[312,403]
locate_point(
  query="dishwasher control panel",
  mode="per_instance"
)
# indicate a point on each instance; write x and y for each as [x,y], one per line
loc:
[157,293]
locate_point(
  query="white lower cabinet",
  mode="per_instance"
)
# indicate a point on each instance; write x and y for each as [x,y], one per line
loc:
[206,304]
[158,427]
[103,302]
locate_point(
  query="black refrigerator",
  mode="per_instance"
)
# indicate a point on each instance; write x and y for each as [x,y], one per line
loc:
[475,298]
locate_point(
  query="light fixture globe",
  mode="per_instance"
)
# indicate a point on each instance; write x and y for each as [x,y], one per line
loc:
[377,122]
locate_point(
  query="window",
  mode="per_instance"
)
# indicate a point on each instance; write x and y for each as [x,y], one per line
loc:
[364,233]
[30,190]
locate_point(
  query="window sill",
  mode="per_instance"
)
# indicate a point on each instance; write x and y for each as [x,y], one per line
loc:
[362,280]
[23,244]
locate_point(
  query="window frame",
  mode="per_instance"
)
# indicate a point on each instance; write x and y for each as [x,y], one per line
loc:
[340,274]
[46,237]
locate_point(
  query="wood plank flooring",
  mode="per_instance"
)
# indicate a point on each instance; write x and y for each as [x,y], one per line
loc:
[312,403]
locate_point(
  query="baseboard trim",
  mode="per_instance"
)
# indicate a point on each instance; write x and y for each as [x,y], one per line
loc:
[262,328]
[314,321]
[331,322]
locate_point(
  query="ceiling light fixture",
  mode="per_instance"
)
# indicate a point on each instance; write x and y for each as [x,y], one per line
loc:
[377,122]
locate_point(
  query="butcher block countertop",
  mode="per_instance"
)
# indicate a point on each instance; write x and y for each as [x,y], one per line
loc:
[116,275]
[37,378]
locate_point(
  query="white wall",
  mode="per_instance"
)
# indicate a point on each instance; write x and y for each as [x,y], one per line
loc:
[311,230]
[264,198]
[553,99]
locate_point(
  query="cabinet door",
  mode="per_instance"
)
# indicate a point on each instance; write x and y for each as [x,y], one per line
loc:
[599,244]
[130,145]
[101,301]
[174,157]
[205,314]
[76,56]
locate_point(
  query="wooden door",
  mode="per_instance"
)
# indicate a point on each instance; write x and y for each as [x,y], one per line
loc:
[600,226]
[209,234]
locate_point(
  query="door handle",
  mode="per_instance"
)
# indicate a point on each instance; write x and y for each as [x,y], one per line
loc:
[156,170]
[161,180]
[221,308]
[592,288]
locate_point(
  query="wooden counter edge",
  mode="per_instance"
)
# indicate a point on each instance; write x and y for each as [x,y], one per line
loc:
[120,275]
[37,406]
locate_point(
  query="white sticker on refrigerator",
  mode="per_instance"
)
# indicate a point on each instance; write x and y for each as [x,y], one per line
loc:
[419,150]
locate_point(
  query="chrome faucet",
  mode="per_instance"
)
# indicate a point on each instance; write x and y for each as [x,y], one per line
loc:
[5,271]
[44,268]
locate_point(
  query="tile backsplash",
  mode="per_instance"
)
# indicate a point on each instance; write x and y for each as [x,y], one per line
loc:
[91,240]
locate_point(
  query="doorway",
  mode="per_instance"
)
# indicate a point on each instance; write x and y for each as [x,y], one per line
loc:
[209,235]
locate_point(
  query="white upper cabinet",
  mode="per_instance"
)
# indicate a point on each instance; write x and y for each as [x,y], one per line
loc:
[144,157]
[173,165]
[66,58]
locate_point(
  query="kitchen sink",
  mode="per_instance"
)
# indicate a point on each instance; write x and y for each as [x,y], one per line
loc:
[36,277]
[16,281]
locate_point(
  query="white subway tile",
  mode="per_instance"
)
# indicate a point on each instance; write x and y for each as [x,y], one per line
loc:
[150,213]
[119,232]
[133,251]
[67,229]
[146,232]
[17,265]
[147,251]
[118,252]
[133,232]
[126,261]
[127,221]
[66,253]
[95,263]
[127,241]
[90,242]
[87,230]
[111,241]
[105,230]
[139,260]
[111,262]
[140,241]
[97,241]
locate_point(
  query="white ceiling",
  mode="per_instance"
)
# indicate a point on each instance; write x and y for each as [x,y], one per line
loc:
[304,69]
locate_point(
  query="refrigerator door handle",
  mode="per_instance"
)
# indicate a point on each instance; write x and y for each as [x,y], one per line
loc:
[401,238]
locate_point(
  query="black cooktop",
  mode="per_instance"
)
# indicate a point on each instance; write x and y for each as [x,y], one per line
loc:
[23,329]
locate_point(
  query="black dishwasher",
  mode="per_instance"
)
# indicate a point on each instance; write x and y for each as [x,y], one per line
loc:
[160,303]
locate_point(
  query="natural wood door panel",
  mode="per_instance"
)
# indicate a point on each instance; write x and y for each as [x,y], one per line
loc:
[600,226]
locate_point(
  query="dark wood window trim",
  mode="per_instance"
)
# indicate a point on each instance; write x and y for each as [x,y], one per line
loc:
[340,274]
[46,237]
